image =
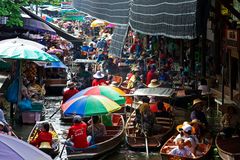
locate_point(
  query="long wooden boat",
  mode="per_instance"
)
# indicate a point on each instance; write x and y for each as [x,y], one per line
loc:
[203,148]
[135,140]
[104,144]
[54,151]
[228,148]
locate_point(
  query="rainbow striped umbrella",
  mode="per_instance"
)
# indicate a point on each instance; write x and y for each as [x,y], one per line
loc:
[110,92]
[92,105]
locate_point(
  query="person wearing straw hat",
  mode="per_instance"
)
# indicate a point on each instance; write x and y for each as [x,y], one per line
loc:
[197,112]
[230,121]
[70,92]
[134,78]
[190,140]
[99,79]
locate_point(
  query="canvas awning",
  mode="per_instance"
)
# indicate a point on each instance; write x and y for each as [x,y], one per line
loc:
[118,39]
[174,19]
[114,11]
[158,92]
[180,19]
[37,26]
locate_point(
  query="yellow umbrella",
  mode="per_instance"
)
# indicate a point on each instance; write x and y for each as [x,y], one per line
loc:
[97,23]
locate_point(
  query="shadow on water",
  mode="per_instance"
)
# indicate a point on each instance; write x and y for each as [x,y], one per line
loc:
[120,153]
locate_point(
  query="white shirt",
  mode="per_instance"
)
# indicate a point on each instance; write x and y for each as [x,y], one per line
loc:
[180,152]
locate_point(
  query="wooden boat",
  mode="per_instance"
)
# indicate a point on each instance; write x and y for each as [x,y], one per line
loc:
[169,145]
[228,149]
[53,152]
[135,140]
[105,143]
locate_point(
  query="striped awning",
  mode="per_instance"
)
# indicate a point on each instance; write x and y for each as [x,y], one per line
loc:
[113,11]
[174,19]
[118,39]
[179,19]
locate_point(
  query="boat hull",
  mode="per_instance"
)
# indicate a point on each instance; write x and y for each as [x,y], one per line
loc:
[136,141]
[114,137]
[228,149]
[205,148]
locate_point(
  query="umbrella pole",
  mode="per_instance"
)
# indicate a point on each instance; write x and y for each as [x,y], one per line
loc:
[19,85]
[92,128]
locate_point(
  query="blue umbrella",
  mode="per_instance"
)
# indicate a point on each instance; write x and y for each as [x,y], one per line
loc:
[13,148]
[58,64]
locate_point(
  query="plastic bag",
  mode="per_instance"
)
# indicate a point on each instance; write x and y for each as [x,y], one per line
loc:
[25,104]
[12,92]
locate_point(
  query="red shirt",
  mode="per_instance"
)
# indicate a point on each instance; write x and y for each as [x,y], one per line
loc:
[43,136]
[68,94]
[150,75]
[98,82]
[78,134]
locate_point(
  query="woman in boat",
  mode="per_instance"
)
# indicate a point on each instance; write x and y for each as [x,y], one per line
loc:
[99,79]
[70,92]
[180,149]
[97,128]
[190,140]
[230,122]
[147,116]
[197,129]
[197,112]
[44,138]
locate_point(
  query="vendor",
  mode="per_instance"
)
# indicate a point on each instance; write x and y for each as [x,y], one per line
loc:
[99,79]
[70,92]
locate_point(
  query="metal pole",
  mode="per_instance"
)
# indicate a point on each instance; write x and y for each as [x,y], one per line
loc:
[146,143]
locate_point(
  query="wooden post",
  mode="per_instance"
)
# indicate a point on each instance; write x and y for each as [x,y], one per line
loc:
[230,75]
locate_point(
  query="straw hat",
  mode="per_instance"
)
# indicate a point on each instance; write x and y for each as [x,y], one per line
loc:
[195,121]
[198,103]
[130,57]
[179,127]
[71,85]
[113,84]
[98,75]
[153,84]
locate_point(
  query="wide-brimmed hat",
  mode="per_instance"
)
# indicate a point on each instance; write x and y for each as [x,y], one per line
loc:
[153,84]
[195,121]
[98,75]
[198,103]
[113,84]
[71,85]
[130,57]
[179,127]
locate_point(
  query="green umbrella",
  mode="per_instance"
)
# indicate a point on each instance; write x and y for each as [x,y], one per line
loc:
[25,52]
[22,52]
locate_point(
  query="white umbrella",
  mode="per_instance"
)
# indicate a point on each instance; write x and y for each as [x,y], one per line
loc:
[17,41]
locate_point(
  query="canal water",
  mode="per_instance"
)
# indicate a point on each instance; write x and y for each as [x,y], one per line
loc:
[122,152]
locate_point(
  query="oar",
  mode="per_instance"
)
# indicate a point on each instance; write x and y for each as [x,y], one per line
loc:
[55,112]
[60,156]
[146,143]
